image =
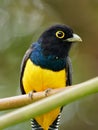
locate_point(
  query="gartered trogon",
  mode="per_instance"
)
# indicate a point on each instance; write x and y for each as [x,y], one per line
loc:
[46,64]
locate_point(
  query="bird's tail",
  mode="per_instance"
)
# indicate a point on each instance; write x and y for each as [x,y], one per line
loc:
[54,126]
[35,125]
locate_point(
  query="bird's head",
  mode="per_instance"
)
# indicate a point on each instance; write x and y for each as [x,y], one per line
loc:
[57,40]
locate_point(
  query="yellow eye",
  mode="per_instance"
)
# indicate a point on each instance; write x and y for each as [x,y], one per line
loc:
[60,34]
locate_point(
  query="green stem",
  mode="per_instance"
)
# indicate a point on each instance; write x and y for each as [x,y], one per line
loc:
[62,98]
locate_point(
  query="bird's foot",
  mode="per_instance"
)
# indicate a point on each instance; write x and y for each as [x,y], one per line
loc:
[31,94]
[47,92]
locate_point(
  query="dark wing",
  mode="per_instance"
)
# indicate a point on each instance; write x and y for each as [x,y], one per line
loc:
[69,71]
[25,58]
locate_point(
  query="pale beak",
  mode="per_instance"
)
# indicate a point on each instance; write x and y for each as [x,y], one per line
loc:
[75,38]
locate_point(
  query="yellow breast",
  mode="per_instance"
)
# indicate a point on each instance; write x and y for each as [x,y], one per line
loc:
[39,79]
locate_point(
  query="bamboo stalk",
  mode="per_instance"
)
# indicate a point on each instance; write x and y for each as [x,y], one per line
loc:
[45,105]
[22,100]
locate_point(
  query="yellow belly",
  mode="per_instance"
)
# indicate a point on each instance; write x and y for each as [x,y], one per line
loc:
[39,79]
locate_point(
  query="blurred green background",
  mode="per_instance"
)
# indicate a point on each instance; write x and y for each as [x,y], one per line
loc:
[22,22]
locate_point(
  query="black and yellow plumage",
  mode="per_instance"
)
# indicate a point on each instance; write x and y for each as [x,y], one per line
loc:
[46,64]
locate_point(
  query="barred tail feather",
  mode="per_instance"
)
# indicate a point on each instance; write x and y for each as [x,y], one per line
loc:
[54,126]
[35,125]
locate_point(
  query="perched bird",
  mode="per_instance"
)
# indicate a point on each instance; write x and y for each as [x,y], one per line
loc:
[46,64]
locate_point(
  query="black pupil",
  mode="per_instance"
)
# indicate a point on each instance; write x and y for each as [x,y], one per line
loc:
[60,34]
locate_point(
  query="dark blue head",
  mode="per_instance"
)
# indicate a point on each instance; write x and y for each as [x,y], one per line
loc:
[52,47]
[57,40]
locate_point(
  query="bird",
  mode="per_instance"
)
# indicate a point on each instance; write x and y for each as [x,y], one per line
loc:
[46,64]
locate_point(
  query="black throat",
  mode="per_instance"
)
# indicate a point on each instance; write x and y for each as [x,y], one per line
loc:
[55,49]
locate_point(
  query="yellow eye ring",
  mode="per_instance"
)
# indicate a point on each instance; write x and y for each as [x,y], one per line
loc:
[60,34]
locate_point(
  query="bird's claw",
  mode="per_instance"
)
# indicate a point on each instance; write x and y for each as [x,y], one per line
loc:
[31,94]
[47,91]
